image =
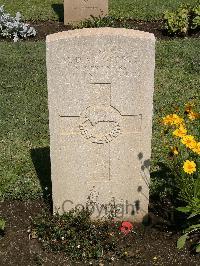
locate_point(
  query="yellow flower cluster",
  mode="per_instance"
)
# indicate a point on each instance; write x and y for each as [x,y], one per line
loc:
[188,141]
[191,143]
[196,148]
[172,119]
[180,131]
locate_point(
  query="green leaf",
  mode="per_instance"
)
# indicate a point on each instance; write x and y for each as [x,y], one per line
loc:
[2,224]
[193,227]
[198,248]
[192,215]
[181,241]
[183,209]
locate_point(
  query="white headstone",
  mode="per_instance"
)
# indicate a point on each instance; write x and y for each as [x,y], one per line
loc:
[100,89]
[76,11]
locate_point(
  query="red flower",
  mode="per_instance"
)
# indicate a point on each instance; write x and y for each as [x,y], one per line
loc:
[126,227]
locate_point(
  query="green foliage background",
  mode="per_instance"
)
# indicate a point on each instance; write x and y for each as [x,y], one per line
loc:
[137,9]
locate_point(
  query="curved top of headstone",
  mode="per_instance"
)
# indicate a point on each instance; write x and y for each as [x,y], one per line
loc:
[100,32]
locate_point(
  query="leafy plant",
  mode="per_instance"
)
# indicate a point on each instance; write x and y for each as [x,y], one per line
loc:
[97,22]
[194,210]
[182,240]
[182,20]
[178,21]
[11,27]
[185,150]
[79,237]
[193,229]
[196,17]
[108,21]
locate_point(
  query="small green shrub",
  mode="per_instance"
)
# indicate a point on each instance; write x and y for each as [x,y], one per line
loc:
[193,208]
[108,21]
[185,151]
[196,17]
[12,27]
[193,229]
[181,136]
[79,237]
[177,22]
[181,21]
[97,22]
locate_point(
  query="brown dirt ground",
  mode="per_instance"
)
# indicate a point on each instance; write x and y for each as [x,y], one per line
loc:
[147,246]
[45,28]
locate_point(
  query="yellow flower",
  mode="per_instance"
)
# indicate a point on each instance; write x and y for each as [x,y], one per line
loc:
[177,120]
[192,115]
[189,167]
[172,119]
[189,141]
[167,120]
[174,150]
[196,149]
[180,132]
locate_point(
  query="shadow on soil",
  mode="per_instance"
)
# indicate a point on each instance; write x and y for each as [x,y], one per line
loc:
[59,10]
[42,164]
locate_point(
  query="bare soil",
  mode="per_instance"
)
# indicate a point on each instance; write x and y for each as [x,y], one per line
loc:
[155,27]
[151,245]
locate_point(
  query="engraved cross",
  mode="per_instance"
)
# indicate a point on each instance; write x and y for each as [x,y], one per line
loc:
[102,125]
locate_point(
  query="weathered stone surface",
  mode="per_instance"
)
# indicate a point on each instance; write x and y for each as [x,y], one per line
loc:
[78,10]
[100,90]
